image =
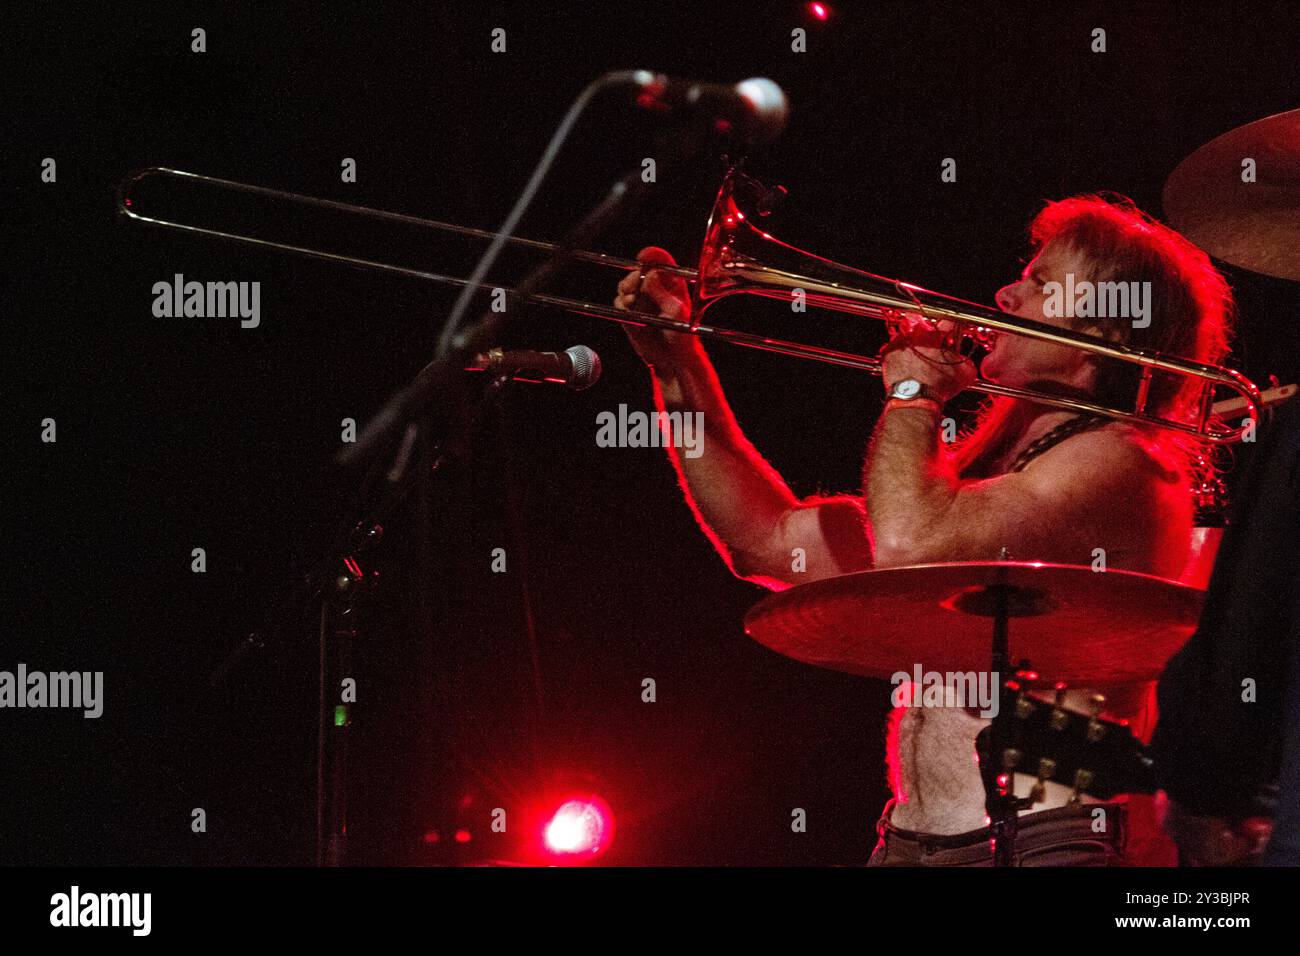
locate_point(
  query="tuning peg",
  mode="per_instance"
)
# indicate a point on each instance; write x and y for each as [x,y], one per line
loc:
[1060,717]
[1096,729]
[1011,758]
[1024,707]
[1046,767]
[1082,781]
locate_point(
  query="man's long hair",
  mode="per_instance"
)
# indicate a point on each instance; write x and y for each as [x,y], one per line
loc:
[1191,315]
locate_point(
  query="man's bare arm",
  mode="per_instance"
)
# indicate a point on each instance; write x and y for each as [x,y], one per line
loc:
[1098,490]
[744,506]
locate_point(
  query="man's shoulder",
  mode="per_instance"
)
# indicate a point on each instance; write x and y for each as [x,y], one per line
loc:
[1114,451]
[1127,489]
[1116,469]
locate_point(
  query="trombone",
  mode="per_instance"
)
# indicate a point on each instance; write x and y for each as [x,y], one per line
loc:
[738,257]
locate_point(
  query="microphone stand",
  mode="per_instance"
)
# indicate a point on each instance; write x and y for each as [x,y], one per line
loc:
[343,595]
[398,435]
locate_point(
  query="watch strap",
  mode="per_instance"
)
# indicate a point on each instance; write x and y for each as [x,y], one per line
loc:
[924,392]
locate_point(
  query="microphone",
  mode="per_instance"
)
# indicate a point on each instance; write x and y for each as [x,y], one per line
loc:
[753,110]
[576,368]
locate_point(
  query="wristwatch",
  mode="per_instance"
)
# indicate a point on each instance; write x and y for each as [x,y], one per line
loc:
[909,389]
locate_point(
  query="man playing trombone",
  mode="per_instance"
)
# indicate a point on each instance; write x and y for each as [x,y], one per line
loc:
[1043,483]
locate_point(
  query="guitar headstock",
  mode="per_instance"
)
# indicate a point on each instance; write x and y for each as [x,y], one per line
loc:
[1084,751]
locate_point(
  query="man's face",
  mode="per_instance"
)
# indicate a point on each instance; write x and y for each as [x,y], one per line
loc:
[1018,361]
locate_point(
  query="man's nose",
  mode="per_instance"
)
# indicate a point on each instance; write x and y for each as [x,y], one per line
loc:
[1008,298]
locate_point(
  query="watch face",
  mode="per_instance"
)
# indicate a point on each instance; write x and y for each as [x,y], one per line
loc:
[907,388]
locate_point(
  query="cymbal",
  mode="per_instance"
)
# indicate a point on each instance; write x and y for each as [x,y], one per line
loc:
[1073,624]
[1253,225]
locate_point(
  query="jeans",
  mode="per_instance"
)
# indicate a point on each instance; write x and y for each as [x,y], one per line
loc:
[1064,836]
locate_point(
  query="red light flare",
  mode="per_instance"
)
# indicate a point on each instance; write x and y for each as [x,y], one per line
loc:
[581,829]
[820,11]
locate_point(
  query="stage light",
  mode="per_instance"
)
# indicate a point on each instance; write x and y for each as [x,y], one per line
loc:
[580,827]
[819,10]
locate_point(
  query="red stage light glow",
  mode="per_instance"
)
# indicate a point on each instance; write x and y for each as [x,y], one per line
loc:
[580,827]
[819,10]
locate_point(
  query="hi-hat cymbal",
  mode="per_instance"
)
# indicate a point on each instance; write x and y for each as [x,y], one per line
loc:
[1255,225]
[1073,624]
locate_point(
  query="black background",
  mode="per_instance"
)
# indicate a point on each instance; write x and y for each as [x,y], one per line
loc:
[183,433]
